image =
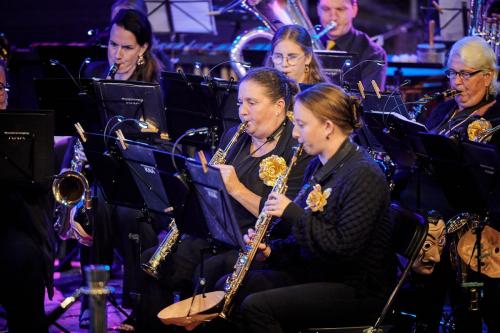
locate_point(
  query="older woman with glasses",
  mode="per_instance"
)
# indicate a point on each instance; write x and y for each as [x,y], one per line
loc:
[292,54]
[472,71]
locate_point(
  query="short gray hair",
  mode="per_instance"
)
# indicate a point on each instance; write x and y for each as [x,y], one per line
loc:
[475,52]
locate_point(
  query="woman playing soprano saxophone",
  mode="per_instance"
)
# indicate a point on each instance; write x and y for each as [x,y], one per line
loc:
[264,96]
[339,247]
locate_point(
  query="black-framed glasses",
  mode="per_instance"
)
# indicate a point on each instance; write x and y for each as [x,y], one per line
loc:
[292,59]
[451,74]
[4,88]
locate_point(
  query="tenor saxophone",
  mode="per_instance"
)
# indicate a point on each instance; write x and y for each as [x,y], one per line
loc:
[165,247]
[192,311]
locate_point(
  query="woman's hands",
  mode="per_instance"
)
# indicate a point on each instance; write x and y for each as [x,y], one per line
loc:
[276,204]
[231,180]
[263,252]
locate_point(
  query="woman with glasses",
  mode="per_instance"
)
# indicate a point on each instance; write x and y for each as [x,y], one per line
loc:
[292,54]
[472,71]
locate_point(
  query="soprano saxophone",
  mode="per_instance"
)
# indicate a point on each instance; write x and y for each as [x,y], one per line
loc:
[193,311]
[165,247]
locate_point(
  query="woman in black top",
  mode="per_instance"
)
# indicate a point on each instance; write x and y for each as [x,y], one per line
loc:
[339,247]
[264,95]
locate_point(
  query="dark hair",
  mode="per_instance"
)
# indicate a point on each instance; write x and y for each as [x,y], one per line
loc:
[138,24]
[138,5]
[276,84]
[330,102]
[299,35]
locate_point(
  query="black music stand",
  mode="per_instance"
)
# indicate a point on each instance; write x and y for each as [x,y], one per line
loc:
[387,103]
[335,64]
[26,146]
[447,161]
[128,100]
[111,171]
[71,103]
[398,136]
[483,162]
[216,204]
[192,101]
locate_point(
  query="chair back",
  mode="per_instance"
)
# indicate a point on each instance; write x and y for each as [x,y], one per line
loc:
[409,231]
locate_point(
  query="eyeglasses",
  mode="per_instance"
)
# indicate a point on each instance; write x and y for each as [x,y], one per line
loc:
[4,88]
[292,59]
[465,75]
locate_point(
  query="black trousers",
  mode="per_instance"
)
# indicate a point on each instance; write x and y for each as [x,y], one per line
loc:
[22,287]
[320,304]
[179,278]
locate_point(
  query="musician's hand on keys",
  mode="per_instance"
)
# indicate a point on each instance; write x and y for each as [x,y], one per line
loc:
[276,204]
[263,252]
[230,178]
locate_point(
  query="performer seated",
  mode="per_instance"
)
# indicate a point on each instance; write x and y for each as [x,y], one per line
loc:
[292,53]
[264,96]
[339,217]
[346,38]
[473,71]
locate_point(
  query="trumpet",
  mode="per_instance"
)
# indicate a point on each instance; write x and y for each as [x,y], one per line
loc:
[165,247]
[69,189]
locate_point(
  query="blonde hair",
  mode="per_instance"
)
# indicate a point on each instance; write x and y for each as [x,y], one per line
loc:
[475,52]
[330,102]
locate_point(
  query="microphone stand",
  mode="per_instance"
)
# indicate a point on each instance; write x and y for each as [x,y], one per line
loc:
[344,74]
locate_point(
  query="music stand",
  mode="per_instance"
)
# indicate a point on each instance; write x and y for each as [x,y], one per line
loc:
[387,103]
[192,16]
[26,146]
[140,101]
[458,184]
[216,204]
[398,135]
[334,65]
[483,162]
[111,171]
[71,103]
[192,101]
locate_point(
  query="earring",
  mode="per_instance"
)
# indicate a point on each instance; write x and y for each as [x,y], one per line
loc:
[328,137]
[141,61]
[306,69]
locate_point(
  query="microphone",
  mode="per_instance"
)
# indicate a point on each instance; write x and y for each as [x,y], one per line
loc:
[189,132]
[344,74]
[193,131]
[84,64]
[112,71]
[55,62]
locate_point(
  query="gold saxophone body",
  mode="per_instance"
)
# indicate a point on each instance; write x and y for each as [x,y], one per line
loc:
[165,247]
[69,188]
[192,311]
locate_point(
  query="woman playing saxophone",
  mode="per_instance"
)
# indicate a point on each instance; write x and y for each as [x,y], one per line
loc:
[264,96]
[338,251]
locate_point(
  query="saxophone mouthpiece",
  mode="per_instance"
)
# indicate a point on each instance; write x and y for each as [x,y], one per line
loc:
[112,71]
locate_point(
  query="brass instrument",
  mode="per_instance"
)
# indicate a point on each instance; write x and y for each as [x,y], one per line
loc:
[481,130]
[184,314]
[151,267]
[165,247]
[272,14]
[69,189]
[456,228]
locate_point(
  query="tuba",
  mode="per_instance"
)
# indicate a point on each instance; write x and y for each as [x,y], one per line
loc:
[192,311]
[165,247]
[69,189]
[273,14]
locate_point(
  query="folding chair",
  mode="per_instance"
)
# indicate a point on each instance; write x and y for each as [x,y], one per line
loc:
[408,236]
